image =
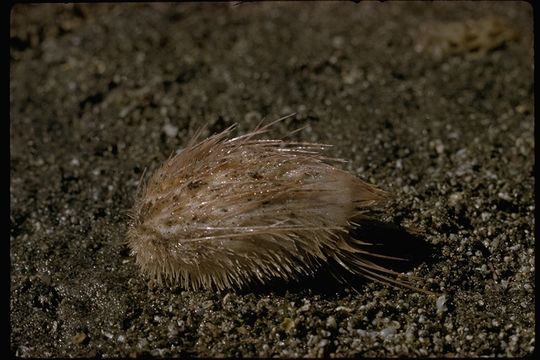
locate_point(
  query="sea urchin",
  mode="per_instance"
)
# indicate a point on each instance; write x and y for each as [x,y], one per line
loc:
[226,211]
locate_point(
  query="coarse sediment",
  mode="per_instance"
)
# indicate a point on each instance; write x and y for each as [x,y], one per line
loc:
[100,92]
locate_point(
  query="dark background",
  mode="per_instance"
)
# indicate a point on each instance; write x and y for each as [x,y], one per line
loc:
[431,101]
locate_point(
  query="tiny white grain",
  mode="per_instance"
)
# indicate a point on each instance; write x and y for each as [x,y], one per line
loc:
[441,303]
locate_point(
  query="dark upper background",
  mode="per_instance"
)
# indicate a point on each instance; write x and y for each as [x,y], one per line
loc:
[431,101]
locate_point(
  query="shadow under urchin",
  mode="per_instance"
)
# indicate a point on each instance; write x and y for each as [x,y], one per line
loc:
[331,278]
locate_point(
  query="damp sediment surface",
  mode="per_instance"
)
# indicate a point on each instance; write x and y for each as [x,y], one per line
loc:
[430,101]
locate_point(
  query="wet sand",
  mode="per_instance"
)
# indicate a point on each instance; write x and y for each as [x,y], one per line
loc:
[441,118]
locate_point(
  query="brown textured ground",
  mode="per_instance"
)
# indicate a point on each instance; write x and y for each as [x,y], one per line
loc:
[444,121]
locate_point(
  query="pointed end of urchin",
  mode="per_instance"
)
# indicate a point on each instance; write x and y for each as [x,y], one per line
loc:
[367,195]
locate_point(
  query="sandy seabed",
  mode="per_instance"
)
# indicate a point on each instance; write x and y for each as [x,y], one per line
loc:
[430,101]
